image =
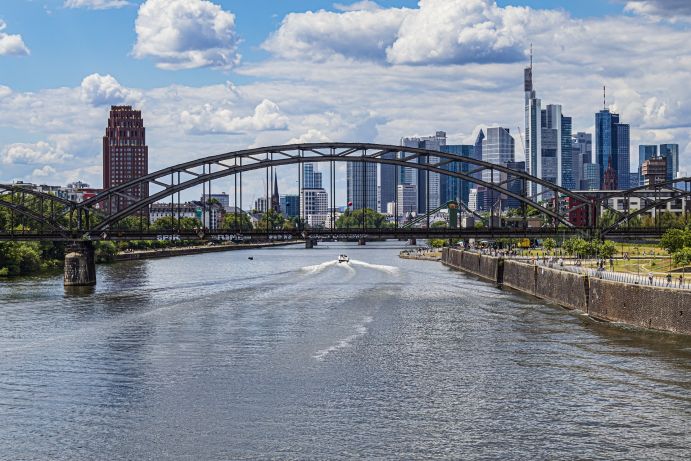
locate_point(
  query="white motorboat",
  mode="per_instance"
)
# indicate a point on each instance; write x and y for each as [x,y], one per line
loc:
[343,259]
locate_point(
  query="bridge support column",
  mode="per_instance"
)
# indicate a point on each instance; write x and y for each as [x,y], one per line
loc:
[310,243]
[362,241]
[413,241]
[80,265]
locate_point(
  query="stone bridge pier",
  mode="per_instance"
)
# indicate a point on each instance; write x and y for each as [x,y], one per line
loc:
[80,265]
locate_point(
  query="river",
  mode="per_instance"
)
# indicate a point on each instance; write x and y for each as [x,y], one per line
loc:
[293,356]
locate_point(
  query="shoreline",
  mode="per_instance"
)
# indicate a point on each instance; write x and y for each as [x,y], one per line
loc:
[650,308]
[185,251]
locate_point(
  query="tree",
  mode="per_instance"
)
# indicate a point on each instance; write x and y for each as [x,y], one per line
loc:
[271,220]
[549,244]
[170,223]
[675,239]
[607,249]
[354,219]
[237,222]
[682,257]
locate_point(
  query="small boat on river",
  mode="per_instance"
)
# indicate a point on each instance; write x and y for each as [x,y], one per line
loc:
[343,259]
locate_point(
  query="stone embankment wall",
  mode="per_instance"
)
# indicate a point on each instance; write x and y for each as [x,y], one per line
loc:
[656,308]
[170,252]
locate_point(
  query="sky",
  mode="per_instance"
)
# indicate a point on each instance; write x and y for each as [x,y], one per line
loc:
[213,76]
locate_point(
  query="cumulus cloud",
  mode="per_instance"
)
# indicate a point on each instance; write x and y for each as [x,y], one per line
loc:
[11,44]
[31,154]
[437,32]
[186,34]
[671,10]
[5,91]
[47,170]
[96,4]
[367,5]
[104,90]
[211,120]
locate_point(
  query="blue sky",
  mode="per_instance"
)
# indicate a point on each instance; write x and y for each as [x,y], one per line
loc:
[264,72]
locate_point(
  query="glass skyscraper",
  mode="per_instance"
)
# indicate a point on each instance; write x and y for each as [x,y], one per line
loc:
[456,188]
[419,178]
[362,185]
[612,143]
[671,153]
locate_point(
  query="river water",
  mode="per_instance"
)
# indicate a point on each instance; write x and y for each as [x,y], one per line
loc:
[293,356]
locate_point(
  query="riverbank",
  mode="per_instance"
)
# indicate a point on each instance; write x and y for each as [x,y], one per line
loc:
[421,255]
[184,251]
[643,306]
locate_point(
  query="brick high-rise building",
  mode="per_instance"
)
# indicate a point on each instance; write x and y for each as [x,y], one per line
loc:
[125,154]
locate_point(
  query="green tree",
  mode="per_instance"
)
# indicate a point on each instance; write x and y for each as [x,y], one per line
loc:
[549,244]
[271,220]
[237,222]
[682,257]
[168,223]
[607,249]
[675,239]
[354,219]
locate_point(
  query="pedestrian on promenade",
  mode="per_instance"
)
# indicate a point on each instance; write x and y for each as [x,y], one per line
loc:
[611,264]
[681,280]
[669,279]
[650,277]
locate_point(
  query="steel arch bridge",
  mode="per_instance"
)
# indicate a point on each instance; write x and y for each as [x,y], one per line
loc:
[69,220]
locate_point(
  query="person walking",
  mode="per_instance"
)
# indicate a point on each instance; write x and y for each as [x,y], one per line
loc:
[669,280]
[650,277]
[681,280]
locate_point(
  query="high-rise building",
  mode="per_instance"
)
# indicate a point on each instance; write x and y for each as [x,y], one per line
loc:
[515,185]
[222,198]
[671,153]
[387,183]
[591,177]
[125,155]
[312,179]
[582,150]
[455,188]
[645,152]
[566,167]
[533,128]
[420,177]
[407,199]
[314,206]
[362,185]
[635,179]
[497,148]
[612,142]
[654,170]
[290,205]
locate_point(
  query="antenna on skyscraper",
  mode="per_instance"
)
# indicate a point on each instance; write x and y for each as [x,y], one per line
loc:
[604,97]
[531,56]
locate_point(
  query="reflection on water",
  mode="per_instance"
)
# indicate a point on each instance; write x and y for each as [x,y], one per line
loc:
[293,355]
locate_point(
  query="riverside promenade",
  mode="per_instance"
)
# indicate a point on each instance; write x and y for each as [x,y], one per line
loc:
[590,291]
[184,251]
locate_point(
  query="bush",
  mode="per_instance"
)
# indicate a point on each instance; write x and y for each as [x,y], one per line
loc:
[682,257]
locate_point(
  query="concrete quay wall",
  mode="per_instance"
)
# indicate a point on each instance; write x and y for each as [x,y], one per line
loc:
[656,308]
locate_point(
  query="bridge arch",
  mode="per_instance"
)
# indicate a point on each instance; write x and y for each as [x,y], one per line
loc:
[13,198]
[180,177]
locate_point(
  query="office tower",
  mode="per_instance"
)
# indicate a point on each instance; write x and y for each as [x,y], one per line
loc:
[473,199]
[591,176]
[671,153]
[419,177]
[407,199]
[635,179]
[645,152]
[125,155]
[612,144]
[498,148]
[516,185]
[566,167]
[455,188]
[654,170]
[314,206]
[387,182]
[362,185]
[582,149]
[290,205]
[312,179]
[623,165]
[533,127]
[222,198]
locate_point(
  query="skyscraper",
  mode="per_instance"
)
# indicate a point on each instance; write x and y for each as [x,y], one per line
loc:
[455,188]
[420,177]
[533,128]
[566,166]
[612,142]
[125,155]
[671,153]
[312,179]
[362,185]
[387,183]
[498,148]
[582,149]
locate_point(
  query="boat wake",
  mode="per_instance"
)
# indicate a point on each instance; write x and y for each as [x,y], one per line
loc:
[360,330]
[317,268]
[379,267]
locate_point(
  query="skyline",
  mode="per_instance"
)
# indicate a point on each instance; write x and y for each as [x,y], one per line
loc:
[239,86]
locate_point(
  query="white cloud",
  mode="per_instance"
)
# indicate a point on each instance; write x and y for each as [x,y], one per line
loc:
[211,120]
[437,32]
[104,90]
[11,44]
[96,4]
[186,34]
[31,154]
[670,10]
[367,5]
[46,171]
[5,91]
